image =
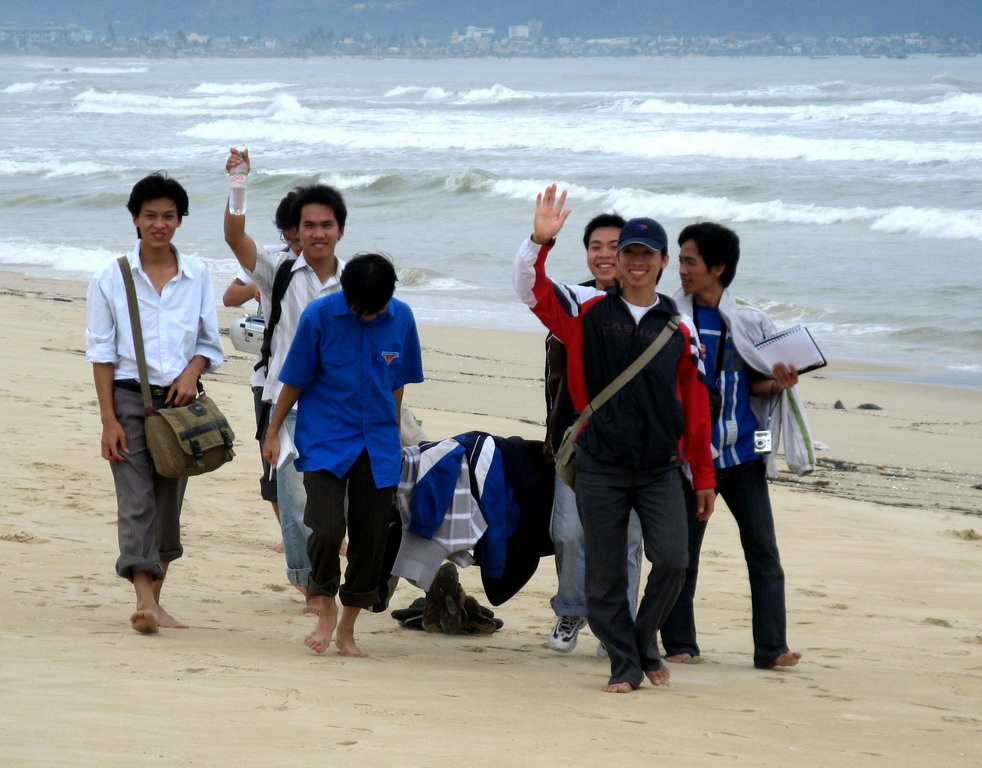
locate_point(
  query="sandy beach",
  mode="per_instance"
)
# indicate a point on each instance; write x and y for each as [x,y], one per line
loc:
[882,547]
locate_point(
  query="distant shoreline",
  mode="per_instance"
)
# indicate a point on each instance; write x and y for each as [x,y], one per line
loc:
[253,55]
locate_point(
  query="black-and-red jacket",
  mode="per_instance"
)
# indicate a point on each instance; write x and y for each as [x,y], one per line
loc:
[662,414]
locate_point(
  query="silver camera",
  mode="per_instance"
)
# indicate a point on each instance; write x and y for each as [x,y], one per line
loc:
[762,441]
[247,333]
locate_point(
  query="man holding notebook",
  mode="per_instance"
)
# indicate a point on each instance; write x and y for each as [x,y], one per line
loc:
[754,404]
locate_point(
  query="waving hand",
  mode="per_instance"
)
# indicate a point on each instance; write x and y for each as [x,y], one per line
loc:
[549,215]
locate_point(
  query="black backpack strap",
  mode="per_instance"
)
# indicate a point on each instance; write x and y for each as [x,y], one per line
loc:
[284,274]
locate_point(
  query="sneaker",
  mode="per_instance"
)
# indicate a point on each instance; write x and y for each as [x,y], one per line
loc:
[563,635]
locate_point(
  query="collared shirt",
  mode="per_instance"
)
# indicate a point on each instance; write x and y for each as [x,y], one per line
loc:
[178,324]
[303,289]
[347,370]
[279,252]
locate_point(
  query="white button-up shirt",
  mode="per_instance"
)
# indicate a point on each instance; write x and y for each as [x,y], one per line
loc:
[304,287]
[177,325]
[279,252]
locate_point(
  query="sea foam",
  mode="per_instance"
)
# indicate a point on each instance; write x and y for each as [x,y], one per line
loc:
[933,223]
[101,102]
[221,89]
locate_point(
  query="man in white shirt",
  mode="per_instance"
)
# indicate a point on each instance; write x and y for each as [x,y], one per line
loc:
[181,342]
[319,213]
[243,288]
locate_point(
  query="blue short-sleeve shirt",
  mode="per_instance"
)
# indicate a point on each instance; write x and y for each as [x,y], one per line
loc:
[347,370]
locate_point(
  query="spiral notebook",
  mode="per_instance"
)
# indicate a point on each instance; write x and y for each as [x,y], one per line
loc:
[794,346]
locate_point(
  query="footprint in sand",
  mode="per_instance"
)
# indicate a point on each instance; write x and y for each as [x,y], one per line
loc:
[969,534]
[22,537]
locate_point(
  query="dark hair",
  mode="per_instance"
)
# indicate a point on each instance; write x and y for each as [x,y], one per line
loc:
[603,220]
[284,211]
[154,187]
[368,282]
[320,194]
[717,245]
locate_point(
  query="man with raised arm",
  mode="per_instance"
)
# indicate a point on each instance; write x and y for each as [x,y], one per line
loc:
[631,452]
[243,288]
[753,396]
[569,603]
[319,214]
[181,342]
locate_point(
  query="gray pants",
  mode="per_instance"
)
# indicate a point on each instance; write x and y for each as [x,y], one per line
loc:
[148,505]
[605,495]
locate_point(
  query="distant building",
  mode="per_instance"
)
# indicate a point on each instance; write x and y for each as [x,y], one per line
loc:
[478,33]
[44,35]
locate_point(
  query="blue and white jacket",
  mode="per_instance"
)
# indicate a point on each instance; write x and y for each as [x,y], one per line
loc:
[782,413]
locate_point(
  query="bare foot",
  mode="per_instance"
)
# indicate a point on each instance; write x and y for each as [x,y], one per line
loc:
[789,659]
[167,621]
[680,658]
[320,638]
[659,676]
[310,608]
[618,688]
[277,547]
[144,622]
[346,645]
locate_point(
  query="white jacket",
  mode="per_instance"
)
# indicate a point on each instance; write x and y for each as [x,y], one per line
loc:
[784,413]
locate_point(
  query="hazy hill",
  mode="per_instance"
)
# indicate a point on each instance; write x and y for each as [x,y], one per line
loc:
[571,18]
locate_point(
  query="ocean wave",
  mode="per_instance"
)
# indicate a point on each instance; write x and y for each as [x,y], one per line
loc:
[94,101]
[60,258]
[495,93]
[953,81]
[239,89]
[288,120]
[350,180]
[431,93]
[951,105]
[741,145]
[286,107]
[47,85]
[50,168]
[109,70]
[471,180]
[928,223]
[415,279]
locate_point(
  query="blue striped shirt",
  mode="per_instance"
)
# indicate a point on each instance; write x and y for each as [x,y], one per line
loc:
[733,433]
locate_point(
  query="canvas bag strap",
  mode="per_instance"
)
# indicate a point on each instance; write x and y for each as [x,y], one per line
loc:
[131,301]
[629,373]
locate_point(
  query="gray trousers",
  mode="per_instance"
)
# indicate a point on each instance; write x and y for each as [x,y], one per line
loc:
[148,506]
[605,496]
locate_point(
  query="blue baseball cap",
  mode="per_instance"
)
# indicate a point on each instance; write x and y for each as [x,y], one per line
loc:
[644,231]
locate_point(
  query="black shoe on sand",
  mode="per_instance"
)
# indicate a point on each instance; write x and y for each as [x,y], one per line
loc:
[448,598]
